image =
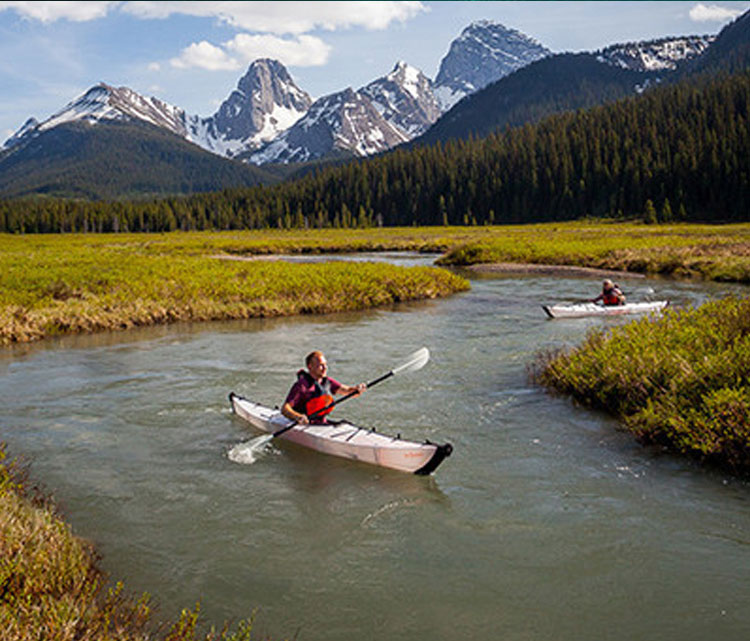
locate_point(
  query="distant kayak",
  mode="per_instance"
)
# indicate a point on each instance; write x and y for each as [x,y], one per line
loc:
[346,440]
[579,310]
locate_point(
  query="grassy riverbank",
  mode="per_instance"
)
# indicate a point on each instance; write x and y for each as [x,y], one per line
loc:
[84,283]
[680,381]
[64,283]
[52,587]
[712,252]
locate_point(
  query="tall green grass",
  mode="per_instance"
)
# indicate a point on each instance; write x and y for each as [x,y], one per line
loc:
[681,380]
[685,250]
[52,285]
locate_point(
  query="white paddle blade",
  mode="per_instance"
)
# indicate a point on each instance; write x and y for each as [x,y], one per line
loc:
[416,361]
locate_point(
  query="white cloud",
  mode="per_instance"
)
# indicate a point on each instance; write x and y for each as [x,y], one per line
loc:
[303,51]
[205,56]
[712,13]
[285,17]
[154,66]
[52,11]
[258,17]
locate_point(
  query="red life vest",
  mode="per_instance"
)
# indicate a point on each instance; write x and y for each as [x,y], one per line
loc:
[322,398]
[610,297]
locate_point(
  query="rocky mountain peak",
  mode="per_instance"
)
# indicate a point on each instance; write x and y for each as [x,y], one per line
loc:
[345,123]
[105,102]
[484,52]
[265,103]
[405,98]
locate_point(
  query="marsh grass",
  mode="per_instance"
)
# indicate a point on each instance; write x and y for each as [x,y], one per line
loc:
[681,380]
[719,253]
[51,587]
[63,284]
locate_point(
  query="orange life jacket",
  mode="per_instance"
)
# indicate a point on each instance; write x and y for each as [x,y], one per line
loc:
[322,398]
[611,297]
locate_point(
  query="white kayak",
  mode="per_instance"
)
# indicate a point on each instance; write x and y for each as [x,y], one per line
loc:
[346,440]
[579,310]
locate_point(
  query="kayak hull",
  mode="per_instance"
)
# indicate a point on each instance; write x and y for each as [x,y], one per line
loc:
[580,310]
[346,440]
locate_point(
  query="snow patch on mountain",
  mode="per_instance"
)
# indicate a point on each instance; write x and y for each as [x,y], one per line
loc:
[27,129]
[655,55]
[104,102]
[405,99]
[344,122]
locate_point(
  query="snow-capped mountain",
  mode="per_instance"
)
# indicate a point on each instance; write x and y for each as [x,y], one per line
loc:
[345,122]
[269,119]
[385,113]
[405,99]
[265,103]
[655,55]
[484,52]
[104,102]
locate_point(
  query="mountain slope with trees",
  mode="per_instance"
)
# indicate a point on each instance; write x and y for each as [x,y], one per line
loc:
[675,152]
[118,160]
[564,82]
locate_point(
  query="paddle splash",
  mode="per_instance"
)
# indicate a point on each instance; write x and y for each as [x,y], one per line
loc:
[247,452]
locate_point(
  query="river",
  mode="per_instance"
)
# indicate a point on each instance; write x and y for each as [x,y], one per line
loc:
[546,522]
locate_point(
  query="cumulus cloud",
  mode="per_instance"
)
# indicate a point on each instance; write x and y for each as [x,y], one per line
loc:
[712,13]
[204,55]
[52,11]
[277,30]
[285,17]
[303,51]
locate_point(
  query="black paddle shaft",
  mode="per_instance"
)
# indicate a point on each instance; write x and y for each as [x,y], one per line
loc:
[336,402]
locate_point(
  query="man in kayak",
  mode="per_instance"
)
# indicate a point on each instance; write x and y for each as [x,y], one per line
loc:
[611,294]
[314,390]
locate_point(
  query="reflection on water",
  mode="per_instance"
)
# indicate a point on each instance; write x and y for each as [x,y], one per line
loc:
[546,522]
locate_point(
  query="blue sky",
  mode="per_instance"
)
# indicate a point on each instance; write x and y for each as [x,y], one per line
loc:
[191,54]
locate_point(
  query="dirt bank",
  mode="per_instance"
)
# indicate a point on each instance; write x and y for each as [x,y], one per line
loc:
[551,270]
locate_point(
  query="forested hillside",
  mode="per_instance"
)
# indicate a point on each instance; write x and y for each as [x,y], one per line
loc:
[677,151]
[107,160]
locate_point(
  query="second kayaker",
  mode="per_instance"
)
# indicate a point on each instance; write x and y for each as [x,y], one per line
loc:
[313,390]
[611,294]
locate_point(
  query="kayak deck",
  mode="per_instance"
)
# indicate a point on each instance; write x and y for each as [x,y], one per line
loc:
[346,440]
[579,310]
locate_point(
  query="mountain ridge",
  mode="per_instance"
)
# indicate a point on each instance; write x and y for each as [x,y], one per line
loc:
[268,119]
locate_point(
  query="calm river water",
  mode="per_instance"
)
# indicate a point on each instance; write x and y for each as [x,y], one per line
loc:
[546,523]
